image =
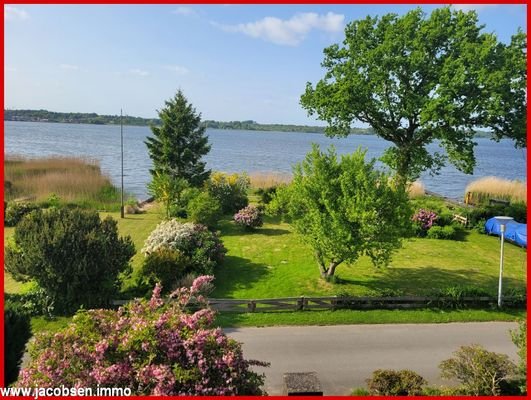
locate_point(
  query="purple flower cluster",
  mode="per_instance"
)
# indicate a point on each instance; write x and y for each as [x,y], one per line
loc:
[249,217]
[425,218]
[150,346]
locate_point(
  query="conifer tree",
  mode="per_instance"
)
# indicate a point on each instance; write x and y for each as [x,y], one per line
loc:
[178,145]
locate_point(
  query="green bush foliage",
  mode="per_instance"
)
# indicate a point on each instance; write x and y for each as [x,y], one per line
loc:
[517,210]
[165,266]
[519,338]
[266,194]
[17,331]
[249,217]
[388,382]
[230,190]
[442,232]
[72,254]
[16,211]
[453,296]
[204,209]
[481,372]
[34,302]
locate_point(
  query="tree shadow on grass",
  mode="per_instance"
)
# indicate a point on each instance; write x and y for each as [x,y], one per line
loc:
[237,273]
[422,281]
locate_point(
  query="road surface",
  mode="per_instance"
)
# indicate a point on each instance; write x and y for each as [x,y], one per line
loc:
[344,356]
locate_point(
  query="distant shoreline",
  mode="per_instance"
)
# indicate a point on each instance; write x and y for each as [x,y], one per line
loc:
[96,119]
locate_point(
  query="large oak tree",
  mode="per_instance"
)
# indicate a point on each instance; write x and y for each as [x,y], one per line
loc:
[418,79]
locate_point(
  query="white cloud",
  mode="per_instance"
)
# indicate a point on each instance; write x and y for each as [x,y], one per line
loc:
[178,69]
[14,14]
[186,11]
[469,7]
[138,72]
[288,32]
[69,67]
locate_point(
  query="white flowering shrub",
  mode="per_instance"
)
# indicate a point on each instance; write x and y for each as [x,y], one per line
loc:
[202,247]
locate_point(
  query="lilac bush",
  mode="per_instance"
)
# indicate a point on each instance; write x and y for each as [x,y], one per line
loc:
[249,217]
[150,346]
[425,219]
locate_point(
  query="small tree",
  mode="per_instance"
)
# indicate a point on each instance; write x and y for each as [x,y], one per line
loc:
[177,146]
[344,209]
[166,189]
[519,338]
[72,254]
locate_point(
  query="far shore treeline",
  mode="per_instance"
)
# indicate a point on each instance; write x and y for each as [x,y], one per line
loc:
[96,119]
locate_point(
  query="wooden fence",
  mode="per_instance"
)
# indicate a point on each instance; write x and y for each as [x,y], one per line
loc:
[353,303]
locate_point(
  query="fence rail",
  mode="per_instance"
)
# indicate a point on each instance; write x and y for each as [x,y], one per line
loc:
[354,303]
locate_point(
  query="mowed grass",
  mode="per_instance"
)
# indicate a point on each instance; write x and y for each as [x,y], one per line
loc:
[273,262]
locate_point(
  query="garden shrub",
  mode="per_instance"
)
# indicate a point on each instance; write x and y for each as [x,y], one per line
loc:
[17,331]
[165,266]
[519,338]
[442,232]
[230,190]
[517,210]
[424,219]
[34,302]
[249,217]
[15,212]
[388,382]
[72,254]
[453,296]
[150,346]
[204,248]
[266,194]
[204,209]
[481,372]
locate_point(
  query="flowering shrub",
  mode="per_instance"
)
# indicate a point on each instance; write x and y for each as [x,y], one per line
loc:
[149,346]
[204,248]
[425,218]
[249,217]
[229,190]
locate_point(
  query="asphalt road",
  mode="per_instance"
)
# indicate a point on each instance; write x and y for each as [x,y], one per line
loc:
[344,356]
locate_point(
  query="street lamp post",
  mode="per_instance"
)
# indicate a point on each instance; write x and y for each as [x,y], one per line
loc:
[503,221]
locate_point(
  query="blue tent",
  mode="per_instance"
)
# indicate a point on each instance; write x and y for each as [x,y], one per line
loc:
[514,231]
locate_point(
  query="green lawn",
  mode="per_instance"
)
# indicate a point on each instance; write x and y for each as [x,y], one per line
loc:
[273,262]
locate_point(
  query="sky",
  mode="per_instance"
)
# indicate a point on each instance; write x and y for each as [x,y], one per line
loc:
[232,62]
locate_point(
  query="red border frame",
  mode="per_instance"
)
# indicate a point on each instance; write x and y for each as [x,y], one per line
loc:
[293,2]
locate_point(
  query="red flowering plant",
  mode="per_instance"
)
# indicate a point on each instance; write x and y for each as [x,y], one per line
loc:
[152,347]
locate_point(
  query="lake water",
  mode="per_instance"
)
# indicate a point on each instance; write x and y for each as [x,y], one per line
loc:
[236,151]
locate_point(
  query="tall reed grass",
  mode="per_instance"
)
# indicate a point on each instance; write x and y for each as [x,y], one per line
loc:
[416,189]
[265,180]
[71,179]
[491,187]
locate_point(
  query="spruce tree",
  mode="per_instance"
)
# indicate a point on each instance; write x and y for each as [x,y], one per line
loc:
[178,145]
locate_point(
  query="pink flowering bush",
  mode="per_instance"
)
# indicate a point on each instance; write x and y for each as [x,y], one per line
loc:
[150,346]
[249,217]
[424,219]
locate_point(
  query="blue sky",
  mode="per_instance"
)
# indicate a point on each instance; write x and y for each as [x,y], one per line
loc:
[233,62]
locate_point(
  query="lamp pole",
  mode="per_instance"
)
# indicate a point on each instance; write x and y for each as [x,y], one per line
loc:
[122,151]
[503,221]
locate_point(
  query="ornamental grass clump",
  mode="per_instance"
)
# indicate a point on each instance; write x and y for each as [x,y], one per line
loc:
[202,247]
[151,346]
[249,217]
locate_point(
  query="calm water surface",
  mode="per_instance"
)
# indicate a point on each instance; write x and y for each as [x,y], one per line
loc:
[236,151]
